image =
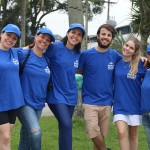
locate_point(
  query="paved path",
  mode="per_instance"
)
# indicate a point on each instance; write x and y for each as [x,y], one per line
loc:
[46,111]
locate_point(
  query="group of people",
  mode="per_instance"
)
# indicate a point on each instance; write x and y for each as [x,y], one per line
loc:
[44,72]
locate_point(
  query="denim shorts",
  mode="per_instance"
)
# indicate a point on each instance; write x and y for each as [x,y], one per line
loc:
[146,119]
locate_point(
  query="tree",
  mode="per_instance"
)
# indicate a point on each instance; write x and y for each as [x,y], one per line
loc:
[35,12]
[23,22]
[9,13]
[75,11]
[75,14]
[11,10]
[141,20]
[80,8]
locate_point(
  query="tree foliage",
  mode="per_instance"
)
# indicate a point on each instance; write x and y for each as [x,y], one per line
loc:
[95,7]
[10,11]
[141,19]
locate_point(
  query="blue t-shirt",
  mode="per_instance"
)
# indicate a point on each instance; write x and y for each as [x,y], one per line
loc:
[98,68]
[64,63]
[127,90]
[34,79]
[145,92]
[11,96]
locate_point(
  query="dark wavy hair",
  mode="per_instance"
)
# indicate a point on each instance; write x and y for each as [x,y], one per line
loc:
[77,47]
[109,28]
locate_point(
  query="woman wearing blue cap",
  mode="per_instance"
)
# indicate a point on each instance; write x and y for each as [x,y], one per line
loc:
[145,98]
[34,77]
[62,98]
[11,97]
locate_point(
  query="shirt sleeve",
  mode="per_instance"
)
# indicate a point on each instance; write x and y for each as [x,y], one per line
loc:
[21,55]
[141,69]
[81,61]
[119,56]
[49,51]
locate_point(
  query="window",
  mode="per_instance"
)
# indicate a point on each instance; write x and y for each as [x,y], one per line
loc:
[123,30]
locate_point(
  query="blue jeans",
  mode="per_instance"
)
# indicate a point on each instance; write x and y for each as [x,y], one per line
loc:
[146,124]
[64,113]
[30,133]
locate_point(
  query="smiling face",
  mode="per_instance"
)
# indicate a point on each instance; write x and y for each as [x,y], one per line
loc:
[128,49]
[104,38]
[42,41]
[8,40]
[74,37]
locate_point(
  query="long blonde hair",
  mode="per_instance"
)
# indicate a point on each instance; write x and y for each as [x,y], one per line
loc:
[136,57]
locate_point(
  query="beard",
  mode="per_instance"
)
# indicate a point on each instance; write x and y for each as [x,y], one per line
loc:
[102,45]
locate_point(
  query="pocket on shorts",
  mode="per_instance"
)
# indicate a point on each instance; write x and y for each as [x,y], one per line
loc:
[84,106]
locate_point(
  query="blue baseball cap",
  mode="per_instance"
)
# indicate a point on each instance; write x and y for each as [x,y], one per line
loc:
[12,28]
[46,31]
[148,48]
[77,25]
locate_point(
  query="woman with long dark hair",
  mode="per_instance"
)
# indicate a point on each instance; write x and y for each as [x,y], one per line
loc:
[62,98]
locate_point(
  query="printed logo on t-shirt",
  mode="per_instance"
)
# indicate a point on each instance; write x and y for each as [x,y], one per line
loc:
[47,70]
[76,63]
[110,66]
[131,77]
[15,61]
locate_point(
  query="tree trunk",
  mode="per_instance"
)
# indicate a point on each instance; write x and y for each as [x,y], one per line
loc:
[145,23]
[23,22]
[75,11]
[75,14]
[143,43]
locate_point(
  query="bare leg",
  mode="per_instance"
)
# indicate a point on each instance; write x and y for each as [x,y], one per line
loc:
[122,128]
[99,143]
[5,134]
[95,148]
[133,137]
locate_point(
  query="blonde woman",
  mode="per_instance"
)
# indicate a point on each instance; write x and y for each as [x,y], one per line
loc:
[127,98]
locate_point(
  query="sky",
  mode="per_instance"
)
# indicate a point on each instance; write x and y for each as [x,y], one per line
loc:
[58,21]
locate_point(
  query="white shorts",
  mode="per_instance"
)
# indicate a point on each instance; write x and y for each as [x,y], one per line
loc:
[132,120]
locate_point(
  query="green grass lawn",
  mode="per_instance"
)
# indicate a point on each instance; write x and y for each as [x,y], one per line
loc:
[80,141]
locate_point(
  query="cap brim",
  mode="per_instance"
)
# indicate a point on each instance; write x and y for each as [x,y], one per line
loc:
[78,28]
[12,32]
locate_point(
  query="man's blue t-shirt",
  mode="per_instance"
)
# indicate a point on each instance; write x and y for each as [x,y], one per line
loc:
[98,69]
